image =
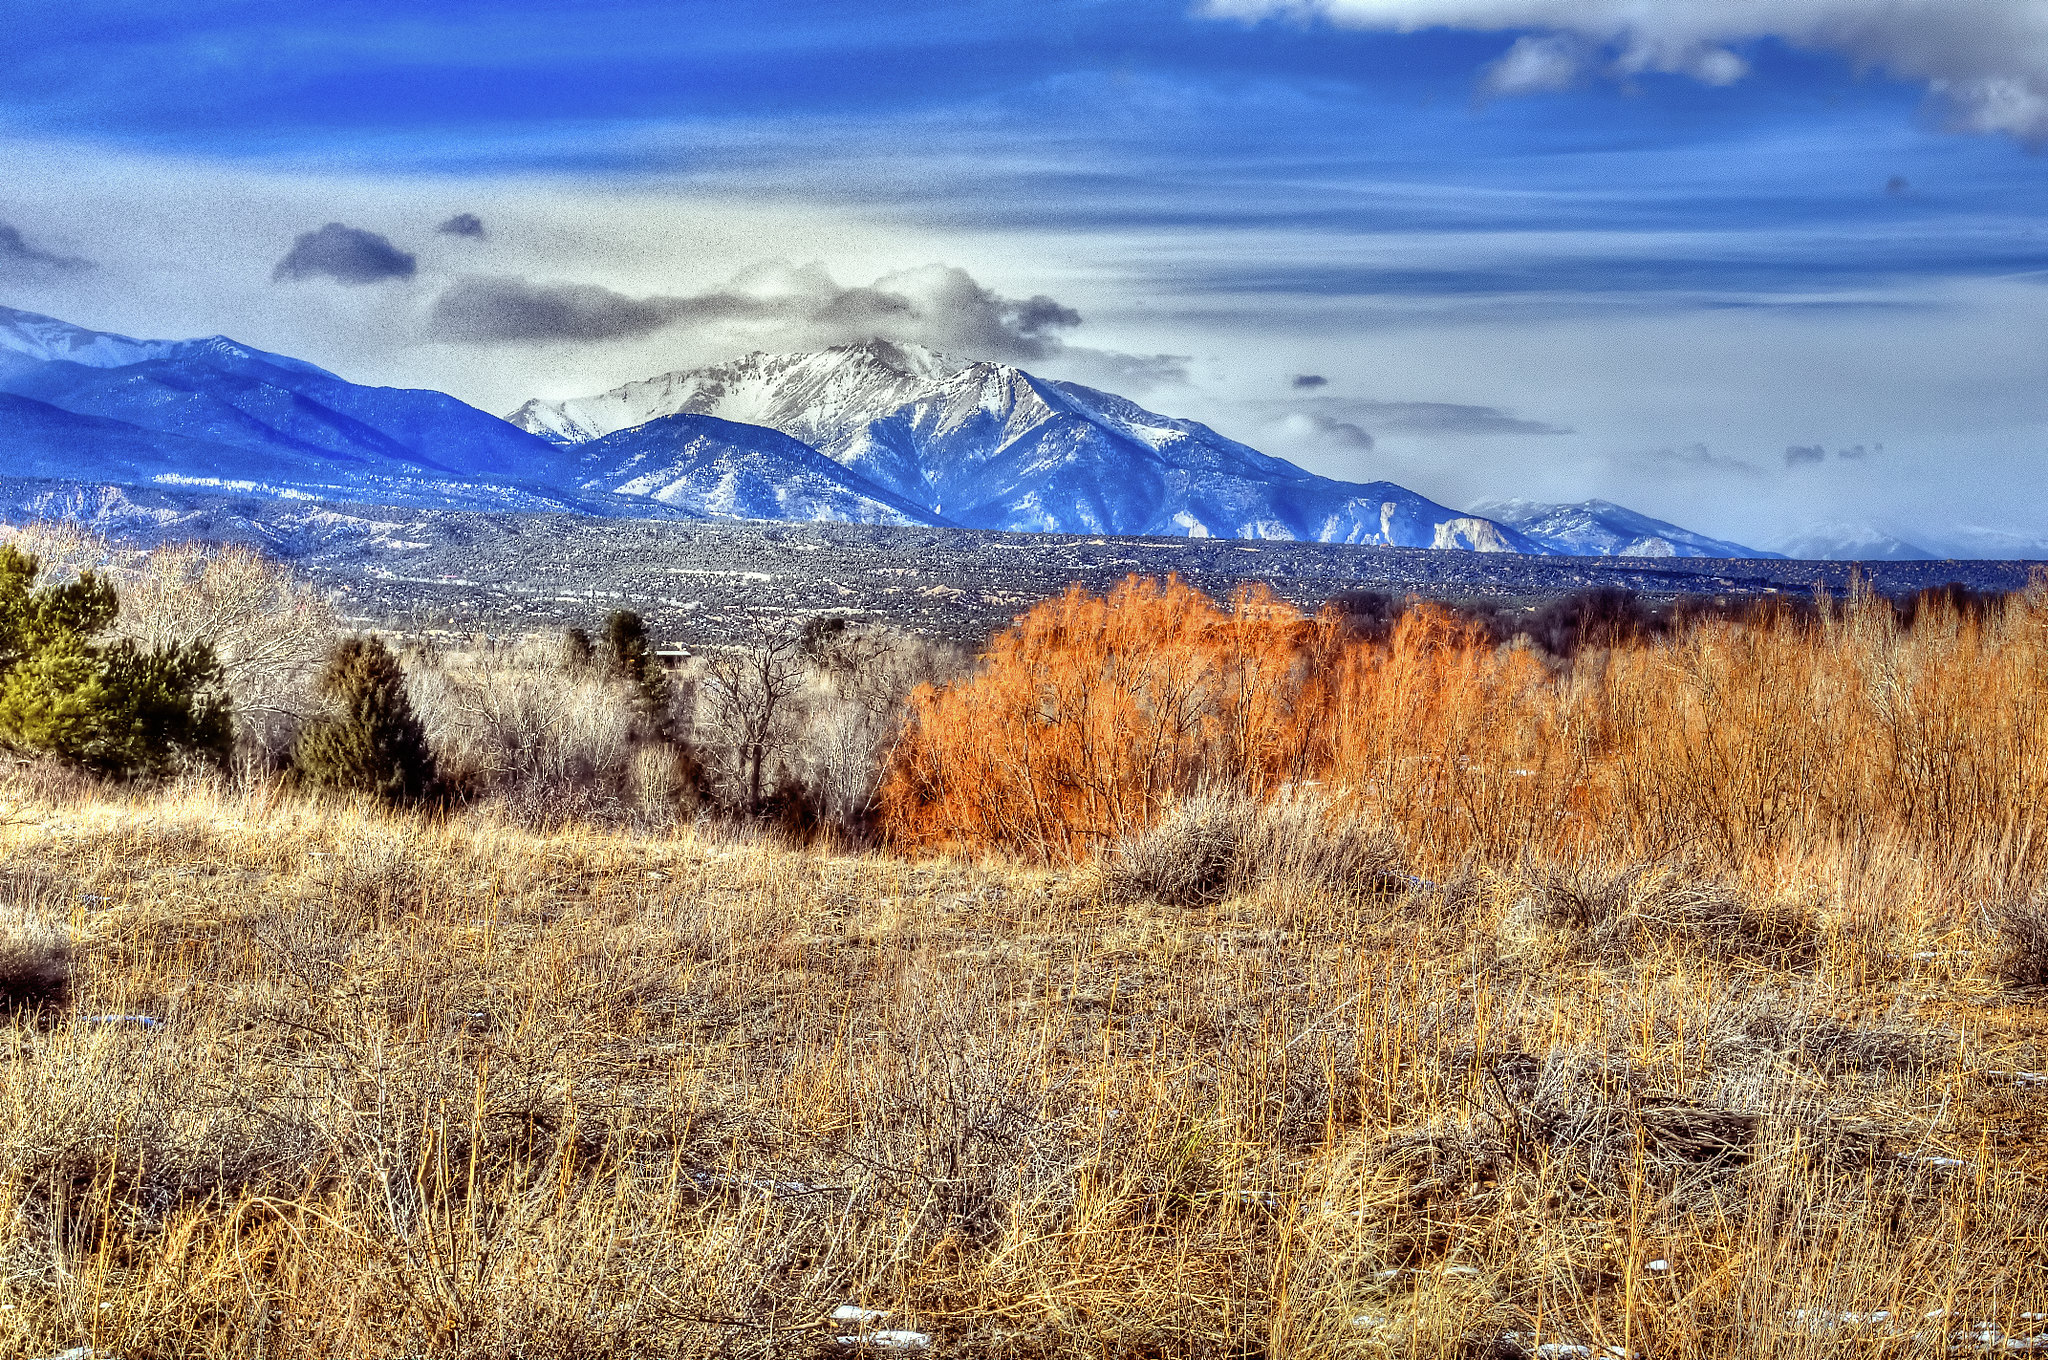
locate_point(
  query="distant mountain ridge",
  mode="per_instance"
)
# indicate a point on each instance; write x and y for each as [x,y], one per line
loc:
[871,433]
[989,446]
[1603,529]
[212,412]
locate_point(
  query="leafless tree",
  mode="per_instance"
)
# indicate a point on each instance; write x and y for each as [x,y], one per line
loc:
[268,628]
[748,699]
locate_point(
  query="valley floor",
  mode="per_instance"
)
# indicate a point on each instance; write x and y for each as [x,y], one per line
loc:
[702,581]
[329,1082]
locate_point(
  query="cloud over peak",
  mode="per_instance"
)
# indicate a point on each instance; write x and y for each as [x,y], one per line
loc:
[1985,60]
[774,306]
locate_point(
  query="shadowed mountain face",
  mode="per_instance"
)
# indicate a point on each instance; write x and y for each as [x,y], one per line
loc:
[718,469]
[993,447]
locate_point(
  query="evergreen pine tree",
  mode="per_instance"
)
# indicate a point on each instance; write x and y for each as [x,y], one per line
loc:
[630,657]
[372,743]
[111,707]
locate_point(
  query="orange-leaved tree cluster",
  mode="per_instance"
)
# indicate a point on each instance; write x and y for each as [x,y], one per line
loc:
[1723,737]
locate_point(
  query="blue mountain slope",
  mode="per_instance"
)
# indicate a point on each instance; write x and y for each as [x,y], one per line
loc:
[266,419]
[724,470]
[41,440]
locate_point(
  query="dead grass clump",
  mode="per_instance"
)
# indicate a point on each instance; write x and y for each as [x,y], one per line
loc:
[2022,928]
[1194,857]
[1214,846]
[35,968]
[1717,921]
[1596,1119]
[1894,1049]
[1625,915]
[1302,842]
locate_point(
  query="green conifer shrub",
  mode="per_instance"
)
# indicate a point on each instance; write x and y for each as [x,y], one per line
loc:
[112,707]
[371,743]
[630,657]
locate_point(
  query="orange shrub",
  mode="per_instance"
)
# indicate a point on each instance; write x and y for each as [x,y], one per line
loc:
[1089,714]
[1723,739]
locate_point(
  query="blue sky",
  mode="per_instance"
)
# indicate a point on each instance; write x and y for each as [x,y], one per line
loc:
[1722,233]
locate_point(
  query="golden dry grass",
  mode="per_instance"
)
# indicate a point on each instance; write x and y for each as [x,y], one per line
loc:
[459,1089]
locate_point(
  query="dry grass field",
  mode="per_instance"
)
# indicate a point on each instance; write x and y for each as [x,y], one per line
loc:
[1217,981]
[331,1081]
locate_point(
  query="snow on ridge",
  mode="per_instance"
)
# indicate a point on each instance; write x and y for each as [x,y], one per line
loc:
[1601,528]
[991,446]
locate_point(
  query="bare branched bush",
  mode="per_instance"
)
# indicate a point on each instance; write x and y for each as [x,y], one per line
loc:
[549,740]
[269,630]
[861,677]
[748,714]
[68,549]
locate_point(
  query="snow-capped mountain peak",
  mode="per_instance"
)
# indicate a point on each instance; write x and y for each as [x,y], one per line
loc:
[799,394]
[990,446]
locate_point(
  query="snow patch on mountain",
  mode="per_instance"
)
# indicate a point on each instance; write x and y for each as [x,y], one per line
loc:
[1600,528]
[724,470]
[990,446]
[1854,542]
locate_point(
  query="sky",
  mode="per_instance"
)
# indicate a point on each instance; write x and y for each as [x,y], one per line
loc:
[1754,266]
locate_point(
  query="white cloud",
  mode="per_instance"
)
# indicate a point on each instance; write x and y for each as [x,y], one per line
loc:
[1535,65]
[1987,60]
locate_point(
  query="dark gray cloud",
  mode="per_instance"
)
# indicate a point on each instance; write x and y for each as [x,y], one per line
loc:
[1800,455]
[344,254]
[501,310]
[463,224]
[1308,381]
[1423,417]
[17,256]
[938,306]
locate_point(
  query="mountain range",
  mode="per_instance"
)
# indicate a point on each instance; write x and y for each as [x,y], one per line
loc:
[989,446]
[870,433]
